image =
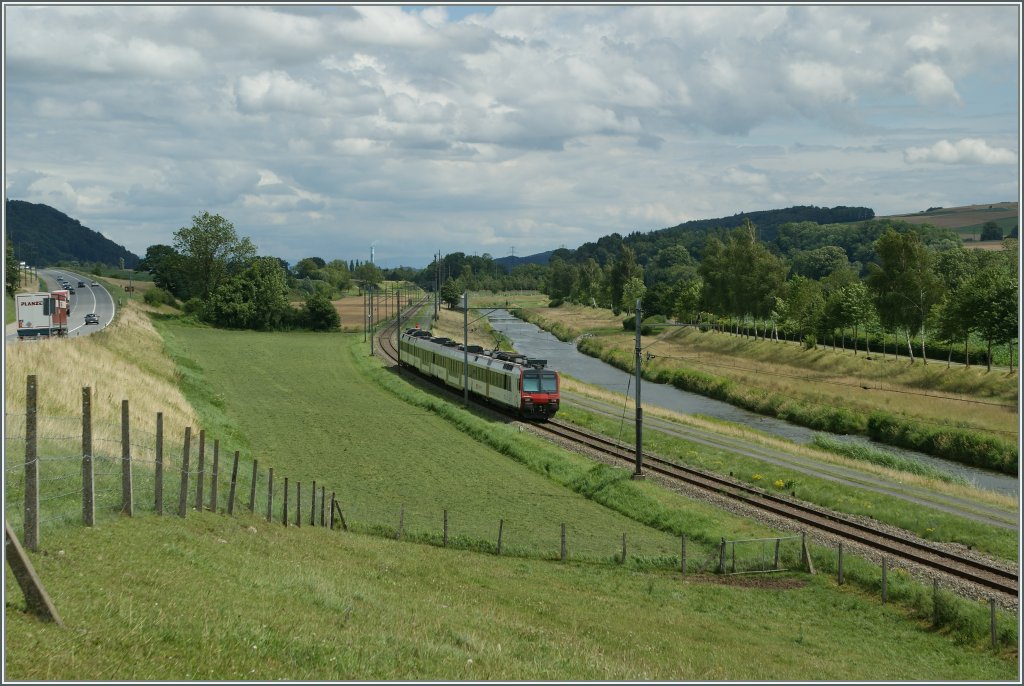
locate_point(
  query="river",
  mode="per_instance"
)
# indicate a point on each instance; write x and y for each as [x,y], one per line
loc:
[533,341]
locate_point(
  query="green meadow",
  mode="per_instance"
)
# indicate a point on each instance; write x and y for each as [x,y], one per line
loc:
[213,597]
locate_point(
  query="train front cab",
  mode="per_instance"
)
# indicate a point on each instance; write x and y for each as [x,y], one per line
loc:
[539,393]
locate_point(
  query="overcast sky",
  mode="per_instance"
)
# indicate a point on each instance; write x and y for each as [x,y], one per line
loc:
[320,131]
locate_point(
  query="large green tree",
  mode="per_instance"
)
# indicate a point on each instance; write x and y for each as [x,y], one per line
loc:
[741,276]
[256,298]
[211,252]
[904,284]
[11,270]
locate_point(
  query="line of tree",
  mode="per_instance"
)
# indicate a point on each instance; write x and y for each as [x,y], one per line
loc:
[813,282]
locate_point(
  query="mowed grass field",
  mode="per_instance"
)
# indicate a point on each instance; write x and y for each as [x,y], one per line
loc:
[306,409]
[213,597]
[208,599]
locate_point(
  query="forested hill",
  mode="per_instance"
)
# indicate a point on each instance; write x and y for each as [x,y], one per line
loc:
[42,236]
[692,234]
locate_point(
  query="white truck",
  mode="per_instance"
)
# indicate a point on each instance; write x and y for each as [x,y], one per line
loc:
[42,314]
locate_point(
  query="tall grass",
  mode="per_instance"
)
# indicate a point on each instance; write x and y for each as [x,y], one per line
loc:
[884,458]
[960,445]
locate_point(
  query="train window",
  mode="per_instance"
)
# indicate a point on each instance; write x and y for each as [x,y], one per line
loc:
[531,383]
[548,382]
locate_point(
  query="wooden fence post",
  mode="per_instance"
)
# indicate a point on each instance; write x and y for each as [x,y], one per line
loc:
[323,501]
[312,509]
[252,486]
[806,552]
[284,512]
[298,503]
[158,485]
[88,473]
[202,470]
[332,510]
[501,528]
[234,483]
[622,560]
[127,500]
[721,558]
[446,528]
[215,476]
[270,494]
[778,542]
[563,555]
[31,523]
[183,491]
[36,598]
[341,515]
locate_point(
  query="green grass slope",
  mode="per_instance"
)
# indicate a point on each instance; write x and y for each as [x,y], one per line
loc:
[213,597]
[207,598]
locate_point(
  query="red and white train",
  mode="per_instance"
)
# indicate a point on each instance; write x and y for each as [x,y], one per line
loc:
[512,381]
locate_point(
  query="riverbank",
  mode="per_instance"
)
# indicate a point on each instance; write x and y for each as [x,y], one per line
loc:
[967,415]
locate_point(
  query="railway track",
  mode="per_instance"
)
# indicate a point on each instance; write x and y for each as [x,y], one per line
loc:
[890,544]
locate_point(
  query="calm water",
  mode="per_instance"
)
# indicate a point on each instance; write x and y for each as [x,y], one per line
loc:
[535,342]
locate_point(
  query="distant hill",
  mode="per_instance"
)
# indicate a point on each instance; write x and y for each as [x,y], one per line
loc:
[512,261]
[43,236]
[692,234]
[968,220]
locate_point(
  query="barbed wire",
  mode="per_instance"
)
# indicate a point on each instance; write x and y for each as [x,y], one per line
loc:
[59,495]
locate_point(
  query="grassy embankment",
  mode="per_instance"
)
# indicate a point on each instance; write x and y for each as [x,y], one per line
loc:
[963,414]
[306,603]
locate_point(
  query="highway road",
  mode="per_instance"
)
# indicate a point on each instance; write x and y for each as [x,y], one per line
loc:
[83,301]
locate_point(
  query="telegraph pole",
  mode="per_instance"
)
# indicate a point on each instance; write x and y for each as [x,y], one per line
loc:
[638,474]
[398,327]
[437,283]
[371,320]
[465,348]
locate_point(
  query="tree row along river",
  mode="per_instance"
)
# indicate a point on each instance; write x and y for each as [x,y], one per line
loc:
[535,342]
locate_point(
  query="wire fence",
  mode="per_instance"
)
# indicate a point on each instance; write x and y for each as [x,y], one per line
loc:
[55,478]
[67,470]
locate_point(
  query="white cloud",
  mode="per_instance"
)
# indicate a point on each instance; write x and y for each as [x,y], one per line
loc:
[528,125]
[963,151]
[929,83]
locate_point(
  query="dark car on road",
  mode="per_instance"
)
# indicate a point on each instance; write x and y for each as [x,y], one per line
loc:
[91,318]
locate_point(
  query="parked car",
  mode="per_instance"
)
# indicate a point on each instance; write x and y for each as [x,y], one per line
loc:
[91,318]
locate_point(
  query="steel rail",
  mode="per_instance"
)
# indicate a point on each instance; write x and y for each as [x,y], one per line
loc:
[972,570]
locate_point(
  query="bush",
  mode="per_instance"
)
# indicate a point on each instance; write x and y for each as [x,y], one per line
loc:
[193,306]
[158,296]
[319,314]
[810,341]
[629,324]
[555,302]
